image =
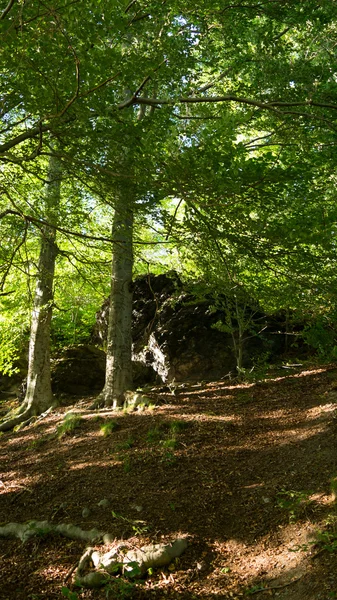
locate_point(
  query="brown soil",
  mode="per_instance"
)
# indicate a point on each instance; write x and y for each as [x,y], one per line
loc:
[245,470]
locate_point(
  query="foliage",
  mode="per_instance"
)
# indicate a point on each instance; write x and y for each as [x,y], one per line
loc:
[293,502]
[327,540]
[12,340]
[127,444]
[14,327]
[233,171]
[67,593]
[108,427]
[120,588]
[321,335]
[154,435]
[70,422]
[138,526]
[178,426]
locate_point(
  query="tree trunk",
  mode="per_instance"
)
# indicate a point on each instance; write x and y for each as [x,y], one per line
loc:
[39,394]
[118,375]
[118,378]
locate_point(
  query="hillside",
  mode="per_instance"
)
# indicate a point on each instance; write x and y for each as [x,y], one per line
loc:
[244,470]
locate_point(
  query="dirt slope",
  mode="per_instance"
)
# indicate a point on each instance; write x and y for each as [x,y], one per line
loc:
[244,470]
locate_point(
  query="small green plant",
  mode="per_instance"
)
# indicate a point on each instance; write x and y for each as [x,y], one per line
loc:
[225,570]
[293,502]
[255,589]
[120,588]
[138,527]
[260,368]
[38,443]
[108,427]
[331,522]
[327,540]
[141,406]
[154,435]
[70,422]
[170,443]
[127,464]
[168,458]
[126,445]
[67,593]
[178,426]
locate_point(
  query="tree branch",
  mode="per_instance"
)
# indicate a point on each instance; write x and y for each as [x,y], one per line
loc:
[83,236]
[226,98]
[271,106]
[31,133]
[7,9]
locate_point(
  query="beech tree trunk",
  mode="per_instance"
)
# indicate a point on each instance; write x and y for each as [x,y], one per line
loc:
[118,377]
[118,374]
[39,396]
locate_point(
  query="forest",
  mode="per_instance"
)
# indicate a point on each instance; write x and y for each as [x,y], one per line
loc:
[168,308]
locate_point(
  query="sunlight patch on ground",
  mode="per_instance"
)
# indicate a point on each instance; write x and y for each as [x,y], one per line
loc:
[14,482]
[277,563]
[106,462]
[283,438]
[312,413]
[275,414]
[11,484]
[323,499]
[297,375]
[209,416]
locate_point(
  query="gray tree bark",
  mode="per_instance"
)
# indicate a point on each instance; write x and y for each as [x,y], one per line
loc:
[118,377]
[39,397]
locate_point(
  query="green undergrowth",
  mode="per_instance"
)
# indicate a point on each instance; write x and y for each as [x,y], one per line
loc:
[166,436]
[70,423]
[108,427]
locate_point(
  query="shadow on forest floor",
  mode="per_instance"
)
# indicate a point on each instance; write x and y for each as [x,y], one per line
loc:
[245,470]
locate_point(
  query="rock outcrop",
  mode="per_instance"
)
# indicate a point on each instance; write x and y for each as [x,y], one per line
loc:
[174,334]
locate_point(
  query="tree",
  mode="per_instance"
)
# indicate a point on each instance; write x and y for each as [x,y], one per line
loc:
[253,71]
[39,393]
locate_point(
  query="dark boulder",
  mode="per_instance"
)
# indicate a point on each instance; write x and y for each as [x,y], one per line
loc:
[173,333]
[78,370]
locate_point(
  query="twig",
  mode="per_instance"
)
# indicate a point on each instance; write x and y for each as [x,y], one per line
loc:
[70,572]
[274,587]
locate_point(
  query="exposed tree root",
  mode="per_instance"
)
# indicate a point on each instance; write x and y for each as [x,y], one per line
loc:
[130,399]
[120,558]
[22,417]
[17,418]
[24,531]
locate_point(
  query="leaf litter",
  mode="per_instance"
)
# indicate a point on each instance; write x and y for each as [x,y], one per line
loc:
[246,471]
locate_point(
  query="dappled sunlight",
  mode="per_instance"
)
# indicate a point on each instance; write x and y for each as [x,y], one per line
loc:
[312,413]
[284,437]
[290,376]
[104,462]
[212,465]
[325,500]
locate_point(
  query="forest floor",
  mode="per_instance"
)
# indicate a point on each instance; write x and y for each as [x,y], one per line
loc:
[245,470]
